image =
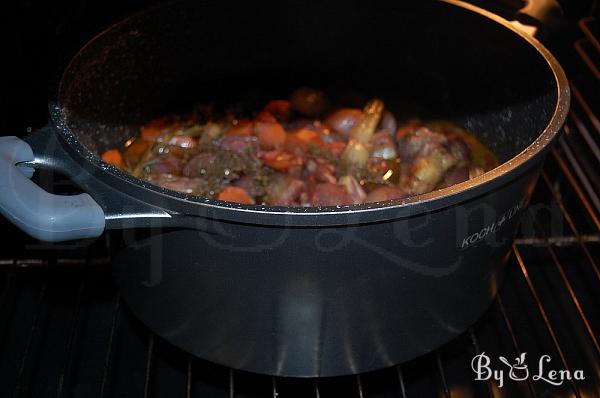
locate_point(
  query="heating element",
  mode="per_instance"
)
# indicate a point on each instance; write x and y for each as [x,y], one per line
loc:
[65,332]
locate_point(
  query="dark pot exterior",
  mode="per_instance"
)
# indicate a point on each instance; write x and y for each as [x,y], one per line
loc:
[301,301]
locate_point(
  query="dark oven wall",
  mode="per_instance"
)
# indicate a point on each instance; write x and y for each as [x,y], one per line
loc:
[38,38]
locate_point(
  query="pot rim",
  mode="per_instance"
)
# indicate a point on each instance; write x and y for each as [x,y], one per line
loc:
[377,211]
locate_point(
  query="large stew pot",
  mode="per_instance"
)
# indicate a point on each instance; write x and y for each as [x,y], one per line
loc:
[297,291]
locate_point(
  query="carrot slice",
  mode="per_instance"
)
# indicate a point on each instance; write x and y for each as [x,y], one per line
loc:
[270,134]
[281,160]
[114,157]
[235,194]
[308,136]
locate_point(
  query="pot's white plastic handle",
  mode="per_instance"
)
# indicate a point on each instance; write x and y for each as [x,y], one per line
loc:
[43,215]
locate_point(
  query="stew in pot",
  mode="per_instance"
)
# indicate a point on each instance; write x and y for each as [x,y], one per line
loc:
[302,152]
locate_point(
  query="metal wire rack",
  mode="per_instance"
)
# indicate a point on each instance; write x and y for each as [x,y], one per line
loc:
[64,332]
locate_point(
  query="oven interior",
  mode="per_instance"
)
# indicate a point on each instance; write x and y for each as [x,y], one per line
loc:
[65,332]
[173,57]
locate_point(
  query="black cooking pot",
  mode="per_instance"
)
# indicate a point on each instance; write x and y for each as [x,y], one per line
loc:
[297,291]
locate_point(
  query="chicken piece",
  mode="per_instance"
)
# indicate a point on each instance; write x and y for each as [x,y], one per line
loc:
[429,156]
[428,171]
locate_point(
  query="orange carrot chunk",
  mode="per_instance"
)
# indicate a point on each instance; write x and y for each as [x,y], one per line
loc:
[281,160]
[270,134]
[235,194]
[114,157]
[308,136]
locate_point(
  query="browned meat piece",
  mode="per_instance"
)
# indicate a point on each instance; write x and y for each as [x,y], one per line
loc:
[428,171]
[430,157]
[328,194]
